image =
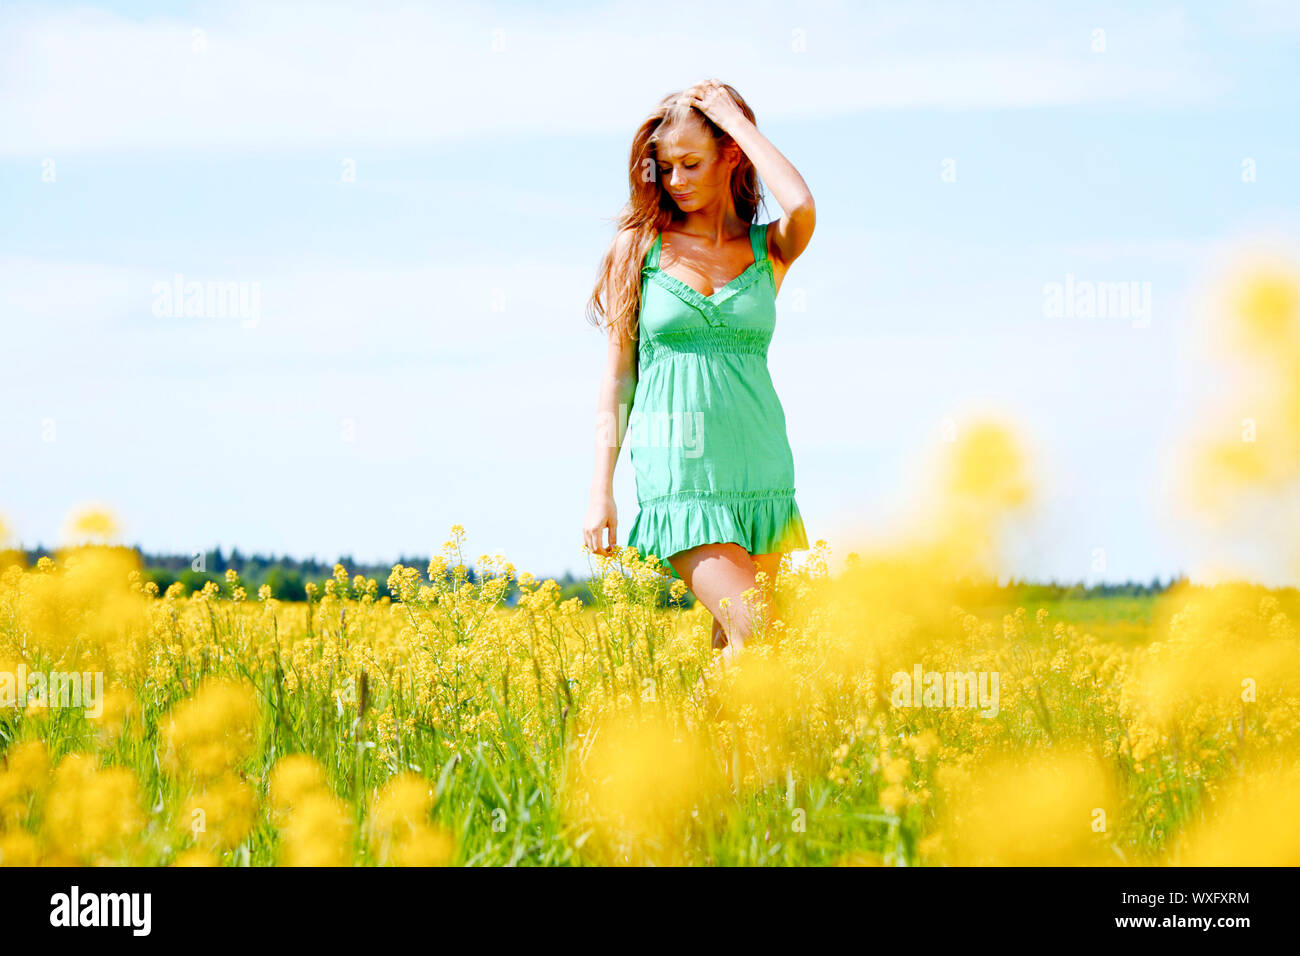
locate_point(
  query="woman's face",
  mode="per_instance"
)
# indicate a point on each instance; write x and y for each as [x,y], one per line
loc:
[690,167]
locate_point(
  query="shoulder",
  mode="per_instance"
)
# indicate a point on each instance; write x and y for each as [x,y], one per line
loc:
[625,247]
[626,241]
[623,241]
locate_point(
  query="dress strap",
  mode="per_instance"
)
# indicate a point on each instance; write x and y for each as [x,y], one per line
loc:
[758,238]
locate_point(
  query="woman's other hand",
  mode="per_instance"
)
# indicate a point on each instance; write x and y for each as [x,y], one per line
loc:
[602,513]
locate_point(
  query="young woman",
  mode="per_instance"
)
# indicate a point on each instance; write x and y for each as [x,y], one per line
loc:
[689,288]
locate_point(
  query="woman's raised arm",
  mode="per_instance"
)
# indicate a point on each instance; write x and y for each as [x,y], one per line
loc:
[793,231]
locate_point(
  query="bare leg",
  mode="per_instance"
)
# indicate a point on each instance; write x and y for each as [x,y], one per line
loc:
[716,571]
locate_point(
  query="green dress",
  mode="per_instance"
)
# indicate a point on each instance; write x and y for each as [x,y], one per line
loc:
[706,429]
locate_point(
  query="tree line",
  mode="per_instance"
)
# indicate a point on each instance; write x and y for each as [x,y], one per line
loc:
[287,577]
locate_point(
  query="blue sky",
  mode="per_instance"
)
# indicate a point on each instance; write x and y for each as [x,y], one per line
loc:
[420,356]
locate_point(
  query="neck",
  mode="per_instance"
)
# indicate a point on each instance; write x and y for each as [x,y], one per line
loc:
[716,224]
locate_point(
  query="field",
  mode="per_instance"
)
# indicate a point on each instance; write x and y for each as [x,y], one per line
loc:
[891,709]
[444,728]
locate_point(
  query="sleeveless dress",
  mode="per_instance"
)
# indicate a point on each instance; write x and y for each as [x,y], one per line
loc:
[706,429]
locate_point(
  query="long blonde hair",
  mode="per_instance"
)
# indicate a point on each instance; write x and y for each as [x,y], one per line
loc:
[649,209]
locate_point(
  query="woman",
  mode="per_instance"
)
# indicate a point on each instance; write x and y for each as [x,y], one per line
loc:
[689,288]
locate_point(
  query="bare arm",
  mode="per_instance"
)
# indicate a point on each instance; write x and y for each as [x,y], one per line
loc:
[793,231]
[617,389]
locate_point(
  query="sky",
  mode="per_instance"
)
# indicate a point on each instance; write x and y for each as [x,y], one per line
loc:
[413,201]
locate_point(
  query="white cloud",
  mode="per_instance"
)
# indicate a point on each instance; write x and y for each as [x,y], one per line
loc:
[313,310]
[263,76]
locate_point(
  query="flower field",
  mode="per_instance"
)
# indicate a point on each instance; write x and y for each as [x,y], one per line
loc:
[897,709]
[444,728]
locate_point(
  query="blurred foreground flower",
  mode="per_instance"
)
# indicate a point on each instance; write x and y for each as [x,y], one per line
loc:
[212,732]
[1258,454]
[639,783]
[95,524]
[1255,821]
[1044,809]
[399,829]
[320,832]
[294,778]
[221,815]
[92,815]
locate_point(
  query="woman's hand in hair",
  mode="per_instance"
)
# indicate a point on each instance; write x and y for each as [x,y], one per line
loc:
[712,99]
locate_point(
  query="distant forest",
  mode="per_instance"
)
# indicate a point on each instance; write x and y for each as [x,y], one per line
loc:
[287,577]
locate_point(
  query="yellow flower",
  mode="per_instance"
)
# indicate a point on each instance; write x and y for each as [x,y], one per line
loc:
[895,770]
[119,705]
[91,815]
[639,783]
[1031,810]
[19,848]
[222,815]
[426,846]
[94,523]
[1267,306]
[213,731]
[930,845]
[27,768]
[1254,823]
[318,833]
[892,798]
[399,810]
[295,777]
[923,744]
[194,857]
